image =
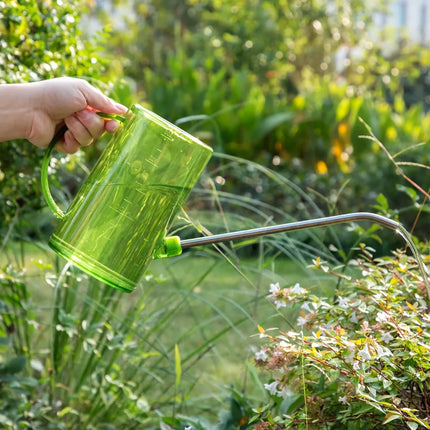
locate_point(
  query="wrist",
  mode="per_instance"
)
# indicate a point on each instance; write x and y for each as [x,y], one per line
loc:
[17,107]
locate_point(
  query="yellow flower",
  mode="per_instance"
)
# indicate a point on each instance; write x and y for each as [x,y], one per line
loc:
[391,133]
[342,129]
[299,102]
[321,168]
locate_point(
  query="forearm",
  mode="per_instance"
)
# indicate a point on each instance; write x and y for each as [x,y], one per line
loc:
[17,103]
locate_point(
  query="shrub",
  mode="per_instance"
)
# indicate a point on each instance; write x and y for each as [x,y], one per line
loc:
[359,359]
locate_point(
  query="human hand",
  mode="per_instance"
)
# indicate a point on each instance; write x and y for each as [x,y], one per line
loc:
[73,102]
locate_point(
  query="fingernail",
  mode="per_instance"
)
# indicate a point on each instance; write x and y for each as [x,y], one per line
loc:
[111,126]
[121,108]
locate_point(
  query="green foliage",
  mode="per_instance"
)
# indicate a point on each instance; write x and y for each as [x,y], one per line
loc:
[261,82]
[39,40]
[358,359]
[100,361]
[285,37]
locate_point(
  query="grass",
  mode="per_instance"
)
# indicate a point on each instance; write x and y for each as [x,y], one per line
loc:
[206,305]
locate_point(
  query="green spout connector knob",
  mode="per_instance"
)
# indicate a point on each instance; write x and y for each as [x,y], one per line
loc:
[170,247]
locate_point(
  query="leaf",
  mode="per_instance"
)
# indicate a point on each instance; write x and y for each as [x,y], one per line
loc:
[391,416]
[342,109]
[142,404]
[65,411]
[411,192]
[178,368]
[14,366]
[41,265]
[271,122]
[192,118]
[414,425]
[412,307]
[29,382]
[383,202]
[291,403]
[164,426]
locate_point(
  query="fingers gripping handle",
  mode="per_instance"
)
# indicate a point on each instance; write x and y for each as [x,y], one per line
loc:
[47,158]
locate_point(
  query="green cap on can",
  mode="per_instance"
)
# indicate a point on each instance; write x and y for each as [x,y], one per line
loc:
[170,247]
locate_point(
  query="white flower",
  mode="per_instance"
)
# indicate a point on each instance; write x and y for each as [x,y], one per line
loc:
[284,393]
[292,334]
[382,351]
[354,318]
[272,388]
[343,400]
[343,303]
[297,289]
[305,307]
[302,321]
[426,317]
[356,365]
[279,304]
[275,289]
[364,353]
[381,317]
[261,355]
[386,337]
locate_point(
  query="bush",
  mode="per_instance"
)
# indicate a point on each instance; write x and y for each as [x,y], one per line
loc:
[358,359]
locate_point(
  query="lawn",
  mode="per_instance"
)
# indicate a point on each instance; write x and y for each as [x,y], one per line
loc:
[205,304]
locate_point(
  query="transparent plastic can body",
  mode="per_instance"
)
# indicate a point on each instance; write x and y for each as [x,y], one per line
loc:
[123,209]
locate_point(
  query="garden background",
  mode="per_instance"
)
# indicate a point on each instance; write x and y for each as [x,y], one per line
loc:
[322,328]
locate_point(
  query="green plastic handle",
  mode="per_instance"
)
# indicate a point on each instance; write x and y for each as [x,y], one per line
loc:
[120,118]
[47,158]
[44,174]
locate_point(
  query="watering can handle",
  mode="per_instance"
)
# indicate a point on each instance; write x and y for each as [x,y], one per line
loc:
[47,158]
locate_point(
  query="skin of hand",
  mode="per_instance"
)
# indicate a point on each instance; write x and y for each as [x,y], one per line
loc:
[35,111]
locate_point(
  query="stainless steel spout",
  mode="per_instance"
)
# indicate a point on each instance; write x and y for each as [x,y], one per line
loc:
[292,226]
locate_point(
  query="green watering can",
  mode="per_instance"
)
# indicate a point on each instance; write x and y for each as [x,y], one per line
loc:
[117,222]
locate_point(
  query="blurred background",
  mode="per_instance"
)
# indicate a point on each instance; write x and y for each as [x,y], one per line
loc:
[286,84]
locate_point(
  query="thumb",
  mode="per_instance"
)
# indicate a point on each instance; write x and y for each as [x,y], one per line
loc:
[98,101]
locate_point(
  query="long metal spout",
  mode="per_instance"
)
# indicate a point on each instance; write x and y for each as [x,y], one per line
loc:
[292,226]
